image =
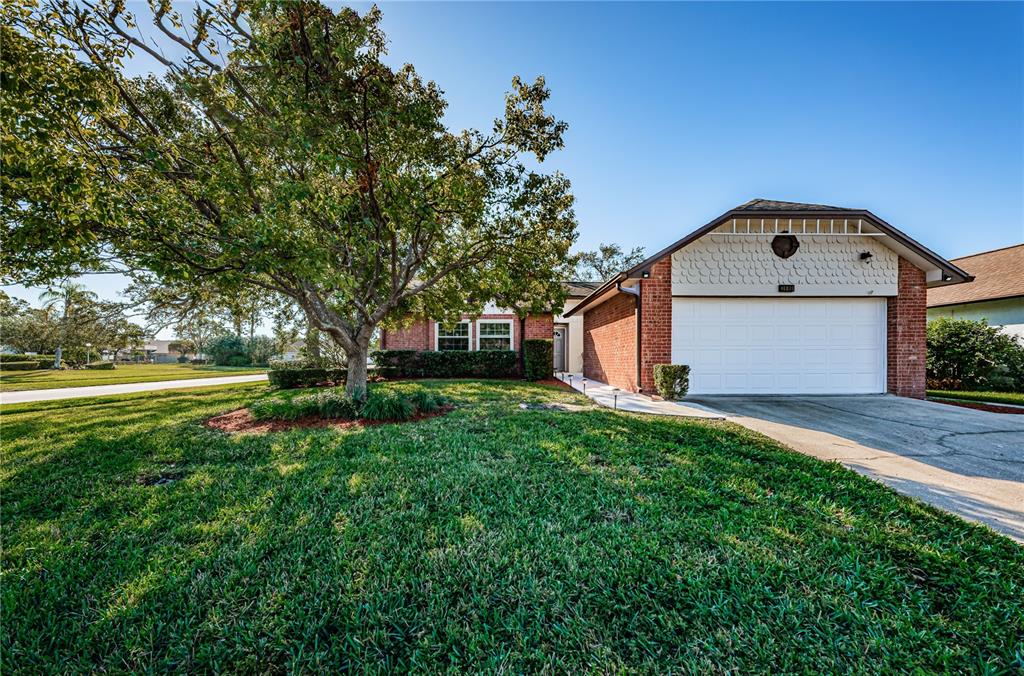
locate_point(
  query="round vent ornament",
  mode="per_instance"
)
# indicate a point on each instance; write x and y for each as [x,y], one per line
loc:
[785,246]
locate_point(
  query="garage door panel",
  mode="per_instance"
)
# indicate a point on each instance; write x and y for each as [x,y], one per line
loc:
[784,346]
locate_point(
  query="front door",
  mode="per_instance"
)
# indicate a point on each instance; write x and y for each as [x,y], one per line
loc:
[559,340]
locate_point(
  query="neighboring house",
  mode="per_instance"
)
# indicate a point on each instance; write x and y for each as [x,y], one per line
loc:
[292,352]
[159,351]
[771,298]
[996,294]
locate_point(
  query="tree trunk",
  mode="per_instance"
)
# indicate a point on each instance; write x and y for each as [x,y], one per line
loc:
[355,380]
[312,342]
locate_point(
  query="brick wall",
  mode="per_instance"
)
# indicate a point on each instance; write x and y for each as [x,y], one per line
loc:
[609,342]
[656,322]
[906,319]
[419,335]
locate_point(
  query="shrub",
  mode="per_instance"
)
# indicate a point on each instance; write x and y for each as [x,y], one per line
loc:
[387,406]
[335,405]
[200,361]
[971,355]
[259,350]
[26,357]
[540,359]
[238,360]
[183,360]
[19,366]
[425,402]
[430,364]
[286,379]
[100,366]
[222,349]
[672,380]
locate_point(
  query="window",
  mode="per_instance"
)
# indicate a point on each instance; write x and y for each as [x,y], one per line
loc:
[454,337]
[494,334]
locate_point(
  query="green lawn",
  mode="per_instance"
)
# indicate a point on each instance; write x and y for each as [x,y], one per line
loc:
[11,381]
[492,538]
[1016,398]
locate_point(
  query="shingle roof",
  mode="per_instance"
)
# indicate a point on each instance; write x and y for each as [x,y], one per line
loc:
[580,289]
[997,274]
[775,205]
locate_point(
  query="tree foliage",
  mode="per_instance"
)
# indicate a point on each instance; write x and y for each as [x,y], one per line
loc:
[277,152]
[605,261]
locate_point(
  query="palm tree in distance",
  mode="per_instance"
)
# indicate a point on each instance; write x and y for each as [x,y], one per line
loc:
[67,296]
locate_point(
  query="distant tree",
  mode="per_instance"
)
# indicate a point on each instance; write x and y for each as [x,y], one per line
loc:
[259,350]
[70,297]
[605,261]
[279,151]
[198,330]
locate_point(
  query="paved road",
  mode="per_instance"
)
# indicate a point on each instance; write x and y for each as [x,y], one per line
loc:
[124,388]
[966,461]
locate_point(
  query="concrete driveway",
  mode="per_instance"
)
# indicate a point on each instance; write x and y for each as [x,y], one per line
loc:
[965,461]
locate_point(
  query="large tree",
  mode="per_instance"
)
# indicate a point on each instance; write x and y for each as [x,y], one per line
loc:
[277,151]
[605,261]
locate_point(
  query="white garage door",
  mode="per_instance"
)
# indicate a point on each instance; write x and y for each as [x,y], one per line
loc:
[781,345]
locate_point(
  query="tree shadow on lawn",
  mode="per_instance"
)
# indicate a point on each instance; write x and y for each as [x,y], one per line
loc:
[491,538]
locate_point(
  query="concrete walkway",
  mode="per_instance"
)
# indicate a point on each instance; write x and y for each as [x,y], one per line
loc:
[123,388]
[613,397]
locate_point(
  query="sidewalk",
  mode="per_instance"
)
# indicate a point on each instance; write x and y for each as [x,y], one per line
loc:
[123,388]
[612,397]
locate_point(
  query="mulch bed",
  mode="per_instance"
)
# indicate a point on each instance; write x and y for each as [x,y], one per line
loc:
[556,382]
[993,408]
[242,422]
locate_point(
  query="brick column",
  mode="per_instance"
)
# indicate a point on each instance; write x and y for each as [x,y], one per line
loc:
[906,317]
[656,322]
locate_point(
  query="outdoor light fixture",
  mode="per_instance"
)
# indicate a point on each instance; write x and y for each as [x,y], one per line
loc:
[645,274]
[866,256]
[946,278]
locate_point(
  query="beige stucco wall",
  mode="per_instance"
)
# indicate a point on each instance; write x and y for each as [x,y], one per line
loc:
[574,347]
[824,265]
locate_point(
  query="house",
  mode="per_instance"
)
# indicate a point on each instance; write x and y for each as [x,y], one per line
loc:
[996,295]
[498,329]
[771,298]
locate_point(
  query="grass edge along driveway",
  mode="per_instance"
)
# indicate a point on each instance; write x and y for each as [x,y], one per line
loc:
[20,381]
[491,538]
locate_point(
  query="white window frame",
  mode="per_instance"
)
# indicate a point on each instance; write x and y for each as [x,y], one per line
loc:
[469,335]
[511,332]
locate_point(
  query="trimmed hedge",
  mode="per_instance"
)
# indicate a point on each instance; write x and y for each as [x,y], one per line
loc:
[26,357]
[286,379]
[672,380]
[100,366]
[19,366]
[540,359]
[429,364]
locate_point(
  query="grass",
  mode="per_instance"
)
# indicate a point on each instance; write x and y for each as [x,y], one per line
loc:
[12,381]
[1016,398]
[493,538]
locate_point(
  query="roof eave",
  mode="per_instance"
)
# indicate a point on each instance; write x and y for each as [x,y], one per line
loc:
[958,275]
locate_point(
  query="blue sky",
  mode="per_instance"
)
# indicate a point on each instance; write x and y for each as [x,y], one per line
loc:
[680,111]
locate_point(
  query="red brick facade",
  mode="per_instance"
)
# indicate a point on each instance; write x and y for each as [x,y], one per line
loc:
[656,322]
[419,335]
[906,317]
[609,342]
